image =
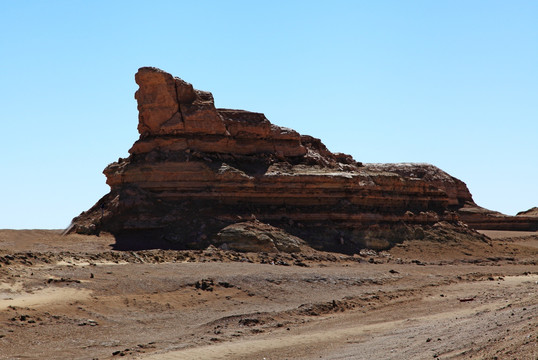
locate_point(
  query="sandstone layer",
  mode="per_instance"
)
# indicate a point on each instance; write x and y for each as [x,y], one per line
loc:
[484,219]
[461,200]
[197,169]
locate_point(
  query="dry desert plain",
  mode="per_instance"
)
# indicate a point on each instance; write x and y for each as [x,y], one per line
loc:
[74,297]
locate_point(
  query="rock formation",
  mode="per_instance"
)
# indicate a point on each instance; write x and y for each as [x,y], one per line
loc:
[483,219]
[197,169]
[531,212]
[255,236]
[461,200]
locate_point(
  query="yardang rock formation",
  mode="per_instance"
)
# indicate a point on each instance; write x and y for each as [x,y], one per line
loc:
[197,169]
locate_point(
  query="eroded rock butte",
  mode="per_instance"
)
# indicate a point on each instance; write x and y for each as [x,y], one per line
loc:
[196,170]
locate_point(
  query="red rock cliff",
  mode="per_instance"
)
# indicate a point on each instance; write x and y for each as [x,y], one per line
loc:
[196,169]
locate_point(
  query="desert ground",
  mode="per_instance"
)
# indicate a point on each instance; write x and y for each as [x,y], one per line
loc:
[73,297]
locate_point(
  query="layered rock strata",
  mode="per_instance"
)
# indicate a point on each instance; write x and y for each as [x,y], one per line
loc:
[461,201]
[197,169]
[483,219]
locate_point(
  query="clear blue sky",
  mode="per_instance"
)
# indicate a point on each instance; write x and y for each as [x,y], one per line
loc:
[452,83]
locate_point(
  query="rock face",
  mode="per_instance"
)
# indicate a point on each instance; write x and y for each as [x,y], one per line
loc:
[197,169]
[457,192]
[461,200]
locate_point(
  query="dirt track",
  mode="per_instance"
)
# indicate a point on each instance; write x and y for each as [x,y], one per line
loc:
[72,297]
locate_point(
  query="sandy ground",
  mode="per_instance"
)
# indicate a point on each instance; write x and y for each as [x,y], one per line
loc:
[74,297]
